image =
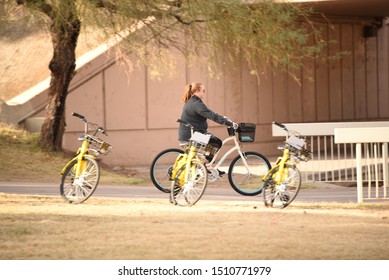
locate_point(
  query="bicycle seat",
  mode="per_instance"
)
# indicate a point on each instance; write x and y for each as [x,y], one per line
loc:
[185,123]
[281,146]
[183,143]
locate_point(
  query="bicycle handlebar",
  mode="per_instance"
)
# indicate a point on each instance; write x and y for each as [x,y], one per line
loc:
[191,126]
[280,125]
[79,116]
[231,130]
[98,128]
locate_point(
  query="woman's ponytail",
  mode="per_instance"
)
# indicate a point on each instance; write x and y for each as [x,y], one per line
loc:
[189,91]
[187,94]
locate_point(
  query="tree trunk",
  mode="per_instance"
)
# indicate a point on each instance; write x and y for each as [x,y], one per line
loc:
[62,67]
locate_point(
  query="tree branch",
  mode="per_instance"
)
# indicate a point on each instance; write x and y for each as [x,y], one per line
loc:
[181,20]
[39,5]
[106,5]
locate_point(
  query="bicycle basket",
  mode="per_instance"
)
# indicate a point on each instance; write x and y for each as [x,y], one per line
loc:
[246,132]
[99,145]
[296,143]
[200,142]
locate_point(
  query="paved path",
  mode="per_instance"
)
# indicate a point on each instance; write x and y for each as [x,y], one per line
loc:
[327,193]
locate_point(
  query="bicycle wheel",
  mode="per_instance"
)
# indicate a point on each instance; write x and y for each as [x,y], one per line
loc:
[247,180]
[187,194]
[281,195]
[77,190]
[161,168]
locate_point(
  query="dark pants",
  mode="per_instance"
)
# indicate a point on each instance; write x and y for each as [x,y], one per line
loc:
[215,143]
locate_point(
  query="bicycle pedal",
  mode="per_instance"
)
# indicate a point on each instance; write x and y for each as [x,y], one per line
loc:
[221,173]
[176,190]
[285,198]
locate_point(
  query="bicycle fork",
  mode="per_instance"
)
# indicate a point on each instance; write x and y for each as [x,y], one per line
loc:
[80,166]
[282,172]
[184,160]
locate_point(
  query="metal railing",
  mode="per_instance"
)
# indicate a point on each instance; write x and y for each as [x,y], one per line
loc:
[361,136]
[337,162]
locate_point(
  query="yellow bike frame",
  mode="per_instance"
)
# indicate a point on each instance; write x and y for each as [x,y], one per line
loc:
[282,171]
[81,154]
[185,159]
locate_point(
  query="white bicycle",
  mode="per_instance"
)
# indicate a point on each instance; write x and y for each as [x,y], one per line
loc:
[245,172]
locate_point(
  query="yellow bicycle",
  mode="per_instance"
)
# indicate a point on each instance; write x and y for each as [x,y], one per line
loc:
[189,175]
[81,175]
[283,181]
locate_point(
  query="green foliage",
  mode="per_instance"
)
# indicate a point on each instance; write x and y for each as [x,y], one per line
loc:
[12,14]
[263,34]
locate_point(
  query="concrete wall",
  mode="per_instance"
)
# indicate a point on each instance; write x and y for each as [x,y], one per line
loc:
[140,112]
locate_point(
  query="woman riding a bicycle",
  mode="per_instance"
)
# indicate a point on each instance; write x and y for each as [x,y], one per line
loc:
[244,171]
[196,113]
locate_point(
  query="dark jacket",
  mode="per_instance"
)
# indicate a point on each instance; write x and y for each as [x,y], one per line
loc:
[196,113]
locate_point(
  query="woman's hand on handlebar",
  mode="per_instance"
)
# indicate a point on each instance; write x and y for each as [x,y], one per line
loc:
[234,124]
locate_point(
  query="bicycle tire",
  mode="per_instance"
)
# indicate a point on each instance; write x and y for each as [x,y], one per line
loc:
[77,190]
[280,196]
[161,166]
[248,182]
[189,193]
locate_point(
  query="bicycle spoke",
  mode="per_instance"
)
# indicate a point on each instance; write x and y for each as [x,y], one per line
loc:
[280,195]
[77,190]
[191,191]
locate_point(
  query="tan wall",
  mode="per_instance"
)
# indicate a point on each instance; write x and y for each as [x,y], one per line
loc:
[140,112]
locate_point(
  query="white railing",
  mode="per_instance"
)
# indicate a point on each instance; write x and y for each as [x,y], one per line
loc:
[337,162]
[360,136]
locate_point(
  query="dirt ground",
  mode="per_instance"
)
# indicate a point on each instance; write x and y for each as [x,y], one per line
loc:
[39,227]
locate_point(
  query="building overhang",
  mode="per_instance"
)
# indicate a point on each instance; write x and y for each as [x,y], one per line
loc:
[350,8]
